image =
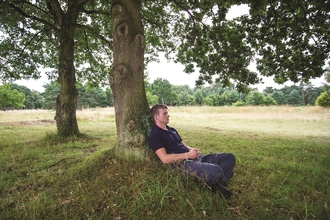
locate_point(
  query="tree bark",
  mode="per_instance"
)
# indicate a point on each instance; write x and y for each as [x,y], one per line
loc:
[126,77]
[66,102]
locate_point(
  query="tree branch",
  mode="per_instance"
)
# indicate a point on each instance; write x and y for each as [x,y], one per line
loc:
[31,40]
[82,2]
[57,10]
[24,14]
[194,18]
[89,12]
[34,6]
[94,33]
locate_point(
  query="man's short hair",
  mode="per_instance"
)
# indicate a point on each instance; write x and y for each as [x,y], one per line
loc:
[155,110]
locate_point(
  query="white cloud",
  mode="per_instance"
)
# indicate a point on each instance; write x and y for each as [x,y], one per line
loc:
[237,10]
[171,71]
[33,84]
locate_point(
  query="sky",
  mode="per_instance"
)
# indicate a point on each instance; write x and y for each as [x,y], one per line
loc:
[173,72]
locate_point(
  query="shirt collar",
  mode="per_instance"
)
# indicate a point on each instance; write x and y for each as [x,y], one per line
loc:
[168,127]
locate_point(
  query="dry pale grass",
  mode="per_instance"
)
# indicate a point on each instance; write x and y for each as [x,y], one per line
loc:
[260,112]
[276,120]
[248,112]
[26,115]
[39,116]
[95,113]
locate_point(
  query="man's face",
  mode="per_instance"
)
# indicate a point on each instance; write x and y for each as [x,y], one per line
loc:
[163,116]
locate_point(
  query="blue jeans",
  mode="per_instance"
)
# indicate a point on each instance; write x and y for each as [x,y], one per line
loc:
[212,168]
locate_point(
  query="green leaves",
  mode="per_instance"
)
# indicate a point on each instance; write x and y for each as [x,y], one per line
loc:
[291,39]
[288,40]
[10,98]
[163,89]
[30,39]
[323,100]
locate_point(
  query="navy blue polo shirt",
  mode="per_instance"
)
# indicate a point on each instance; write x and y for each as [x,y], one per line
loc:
[170,140]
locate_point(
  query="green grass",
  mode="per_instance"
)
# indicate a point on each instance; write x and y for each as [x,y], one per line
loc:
[282,172]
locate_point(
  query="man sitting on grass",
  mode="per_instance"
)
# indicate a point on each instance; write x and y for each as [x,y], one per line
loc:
[215,169]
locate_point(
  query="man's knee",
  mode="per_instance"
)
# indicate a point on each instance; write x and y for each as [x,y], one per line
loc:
[231,158]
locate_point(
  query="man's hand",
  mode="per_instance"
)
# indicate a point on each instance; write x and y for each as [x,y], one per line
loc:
[194,153]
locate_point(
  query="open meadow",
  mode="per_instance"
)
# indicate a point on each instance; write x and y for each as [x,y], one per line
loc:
[282,170]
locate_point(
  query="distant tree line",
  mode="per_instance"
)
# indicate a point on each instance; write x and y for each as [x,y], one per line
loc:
[161,91]
[88,97]
[13,96]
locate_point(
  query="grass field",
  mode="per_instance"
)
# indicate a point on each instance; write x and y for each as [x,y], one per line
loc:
[282,171]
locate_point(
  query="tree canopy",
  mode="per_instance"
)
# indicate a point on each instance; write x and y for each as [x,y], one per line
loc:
[289,40]
[30,39]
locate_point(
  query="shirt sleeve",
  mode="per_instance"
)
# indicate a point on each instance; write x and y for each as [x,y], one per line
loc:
[156,141]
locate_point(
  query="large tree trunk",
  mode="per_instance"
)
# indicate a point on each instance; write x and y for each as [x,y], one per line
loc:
[66,102]
[126,78]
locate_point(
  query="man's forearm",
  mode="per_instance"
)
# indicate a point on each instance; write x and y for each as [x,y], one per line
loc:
[172,158]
